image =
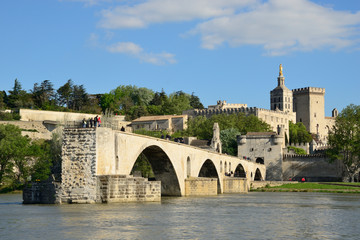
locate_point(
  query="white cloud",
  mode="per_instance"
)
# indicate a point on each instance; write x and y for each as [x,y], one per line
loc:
[136,51]
[279,26]
[159,11]
[282,27]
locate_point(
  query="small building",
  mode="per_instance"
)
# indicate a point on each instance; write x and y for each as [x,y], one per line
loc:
[264,148]
[171,123]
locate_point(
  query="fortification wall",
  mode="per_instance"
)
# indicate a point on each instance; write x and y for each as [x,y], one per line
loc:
[62,117]
[35,130]
[313,167]
[210,112]
[304,146]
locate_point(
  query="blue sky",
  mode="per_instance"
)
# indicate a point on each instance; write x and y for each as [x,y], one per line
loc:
[218,49]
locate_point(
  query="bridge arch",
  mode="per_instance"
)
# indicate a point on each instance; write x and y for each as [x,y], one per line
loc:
[240,171]
[163,169]
[258,176]
[209,170]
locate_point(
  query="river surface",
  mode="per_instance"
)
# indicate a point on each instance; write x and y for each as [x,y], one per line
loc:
[229,216]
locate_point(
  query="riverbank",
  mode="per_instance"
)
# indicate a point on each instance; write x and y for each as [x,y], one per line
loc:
[337,187]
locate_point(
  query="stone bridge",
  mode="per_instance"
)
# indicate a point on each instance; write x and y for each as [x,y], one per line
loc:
[172,162]
[97,163]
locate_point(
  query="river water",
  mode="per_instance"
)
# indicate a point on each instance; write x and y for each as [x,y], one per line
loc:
[255,215]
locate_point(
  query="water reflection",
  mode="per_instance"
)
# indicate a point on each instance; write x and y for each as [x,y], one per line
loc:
[238,216]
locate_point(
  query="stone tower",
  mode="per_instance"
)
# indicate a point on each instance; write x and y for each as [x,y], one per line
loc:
[281,97]
[309,105]
[216,142]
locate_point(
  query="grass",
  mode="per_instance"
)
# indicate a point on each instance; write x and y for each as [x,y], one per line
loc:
[312,187]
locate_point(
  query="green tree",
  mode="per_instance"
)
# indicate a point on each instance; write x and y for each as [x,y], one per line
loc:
[159,98]
[177,103]
[344,140]
[14,148]
[19,98]
[298,133]
[79,98]
[228,141]
[43,95]
[201,126]
[3,99]
[195,102]
[64,94]
[142,165]
[43,157]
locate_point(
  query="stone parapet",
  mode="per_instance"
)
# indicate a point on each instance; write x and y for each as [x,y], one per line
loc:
[309,90]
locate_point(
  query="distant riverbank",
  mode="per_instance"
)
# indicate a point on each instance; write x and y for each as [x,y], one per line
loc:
[338,187]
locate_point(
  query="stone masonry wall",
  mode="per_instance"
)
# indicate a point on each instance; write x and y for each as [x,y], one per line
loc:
[201,186]
[312,167]
[235,185]
[46,192]
[78,180]
[122,188]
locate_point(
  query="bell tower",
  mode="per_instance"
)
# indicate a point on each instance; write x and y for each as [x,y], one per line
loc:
[281,98]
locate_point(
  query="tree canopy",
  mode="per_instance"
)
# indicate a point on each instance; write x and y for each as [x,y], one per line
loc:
[344,140]
[201,126]
[21,158]
[135,102]
[298,133]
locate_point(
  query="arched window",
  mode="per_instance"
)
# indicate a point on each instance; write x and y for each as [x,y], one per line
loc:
[188,167]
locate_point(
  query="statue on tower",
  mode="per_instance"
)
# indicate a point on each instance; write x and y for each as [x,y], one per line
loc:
[280,71]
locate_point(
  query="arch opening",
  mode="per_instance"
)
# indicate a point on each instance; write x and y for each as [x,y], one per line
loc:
[188,167]
[259,160]
[156,159]
[208,170]
[240,171]
[258,176]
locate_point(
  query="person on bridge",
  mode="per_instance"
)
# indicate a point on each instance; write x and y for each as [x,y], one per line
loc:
[84,123]
[96,121]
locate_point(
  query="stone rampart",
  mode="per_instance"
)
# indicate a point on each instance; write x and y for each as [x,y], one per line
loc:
[35,130]
[62,117]
[210,112]
[235,185]
[123,188]
[309,90]
[201,186]
[314,167]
